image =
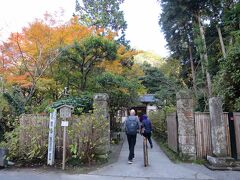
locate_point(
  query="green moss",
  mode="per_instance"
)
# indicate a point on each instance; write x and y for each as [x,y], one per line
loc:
[176,157]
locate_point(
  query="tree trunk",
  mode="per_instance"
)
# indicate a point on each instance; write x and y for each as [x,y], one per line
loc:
[82,83]
[205,56]
[202,65]
[193,71]
[221,41]
[201,60]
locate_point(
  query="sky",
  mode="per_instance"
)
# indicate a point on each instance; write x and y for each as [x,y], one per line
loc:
[142,17]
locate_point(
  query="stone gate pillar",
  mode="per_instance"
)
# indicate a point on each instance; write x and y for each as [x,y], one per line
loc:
[218,131]
[186,125]
[101,104]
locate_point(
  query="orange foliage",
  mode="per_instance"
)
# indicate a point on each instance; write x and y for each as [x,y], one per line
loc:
[26,55]
[21,80]
[73,31]
[35,48]
[125,54]
[124,57]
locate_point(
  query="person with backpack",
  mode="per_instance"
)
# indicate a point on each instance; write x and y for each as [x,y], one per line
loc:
[146,129]
[132,126]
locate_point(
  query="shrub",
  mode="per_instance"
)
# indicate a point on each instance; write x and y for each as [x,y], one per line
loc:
[23,150]
[89,138]
[159,123]
[80,104]
[7,117]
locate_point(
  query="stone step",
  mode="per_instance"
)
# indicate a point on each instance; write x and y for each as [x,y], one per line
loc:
[224,162]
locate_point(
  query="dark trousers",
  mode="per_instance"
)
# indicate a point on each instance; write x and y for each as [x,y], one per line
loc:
[131,144]
[148,136]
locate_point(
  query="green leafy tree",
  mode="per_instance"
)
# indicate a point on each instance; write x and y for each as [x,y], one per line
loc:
[122,92]
[78,60]
[7,117]
[196,34]
[157,83]
[103,14]
[227,81]
[232,23]
[15,100]
[178,24]
[153,78]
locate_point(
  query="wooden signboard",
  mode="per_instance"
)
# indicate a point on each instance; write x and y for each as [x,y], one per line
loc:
[51,137]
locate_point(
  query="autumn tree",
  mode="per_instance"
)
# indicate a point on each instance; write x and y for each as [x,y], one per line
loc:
[27,58]
[30,57]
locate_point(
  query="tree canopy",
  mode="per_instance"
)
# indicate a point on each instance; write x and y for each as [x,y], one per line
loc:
[103,14]
[83,56]
[202,35]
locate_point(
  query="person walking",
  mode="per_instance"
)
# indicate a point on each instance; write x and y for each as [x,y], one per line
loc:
[132,126]
[146,129]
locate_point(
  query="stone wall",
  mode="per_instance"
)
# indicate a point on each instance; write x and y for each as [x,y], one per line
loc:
[186,129]
[218,130]
[32,126]
[101,106]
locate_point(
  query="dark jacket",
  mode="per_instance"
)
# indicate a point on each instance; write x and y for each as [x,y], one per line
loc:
[146,124]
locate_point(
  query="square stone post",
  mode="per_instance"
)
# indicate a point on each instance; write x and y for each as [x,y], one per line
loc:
[186,125]
[218,131]
[101,104]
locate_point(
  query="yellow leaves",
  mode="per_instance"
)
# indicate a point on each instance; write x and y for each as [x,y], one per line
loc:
[123,56]
[126,56]
[123,53]
[137,70]
[112,66]
[111,35]
[46,83]
[124,90]
[117,66]
[74,31]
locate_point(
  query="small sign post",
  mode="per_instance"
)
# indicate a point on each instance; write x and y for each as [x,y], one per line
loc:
[64,124]
[65,112]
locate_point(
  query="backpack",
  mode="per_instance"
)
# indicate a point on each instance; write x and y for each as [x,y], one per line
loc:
[132,125]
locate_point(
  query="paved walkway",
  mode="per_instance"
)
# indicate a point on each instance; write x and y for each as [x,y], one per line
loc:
[161,168]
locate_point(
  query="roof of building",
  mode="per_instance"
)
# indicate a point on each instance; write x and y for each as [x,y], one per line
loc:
[64,105]
[148,98]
